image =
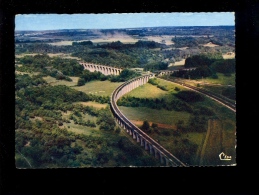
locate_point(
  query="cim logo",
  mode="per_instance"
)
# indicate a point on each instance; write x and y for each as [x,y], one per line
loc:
[223,156]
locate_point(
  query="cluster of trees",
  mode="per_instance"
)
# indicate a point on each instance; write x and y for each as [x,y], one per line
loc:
[190,41]
[215,62]
[77,118]
[206,66]
[189,96]
[148,44]
[125,75]
[199,72]
[202,60]
[87,76]
[58,68]
[56,74]
[88,43]
[156,66]
[185,42]
[54,94]
[105,120]
[69,67]
[227,66]
[139,44]
[24,80]
[168,103]
[149,129]
[42,48]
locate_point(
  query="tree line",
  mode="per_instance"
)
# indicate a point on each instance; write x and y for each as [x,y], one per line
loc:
[206,66]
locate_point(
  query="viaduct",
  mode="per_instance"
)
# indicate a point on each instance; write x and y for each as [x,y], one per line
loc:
[106,70]
[150,145]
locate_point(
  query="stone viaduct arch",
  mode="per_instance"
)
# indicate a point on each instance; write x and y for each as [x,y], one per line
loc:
[106,70]
[150,145]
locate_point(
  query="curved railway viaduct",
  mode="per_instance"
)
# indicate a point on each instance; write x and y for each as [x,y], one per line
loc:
[150,145]
[106,70]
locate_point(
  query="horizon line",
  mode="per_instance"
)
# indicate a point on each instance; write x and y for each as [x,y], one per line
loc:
[126,28]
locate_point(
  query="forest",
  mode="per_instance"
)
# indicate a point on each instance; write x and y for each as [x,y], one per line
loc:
[43,139]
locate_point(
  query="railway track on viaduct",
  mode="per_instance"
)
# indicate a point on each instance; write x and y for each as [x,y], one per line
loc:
[149,144]
[223,100]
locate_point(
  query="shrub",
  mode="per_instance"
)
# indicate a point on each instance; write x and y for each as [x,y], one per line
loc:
[162,87]
[145,126]
[189,96]
[117,130]
[177,89]
[81,82]
[229,93]
[154,125]
[214,76]
[166,132]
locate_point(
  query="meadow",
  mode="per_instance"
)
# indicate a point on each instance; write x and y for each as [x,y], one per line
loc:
[52,81]
[100,88]
[154,116]
[222,80]
[152,91]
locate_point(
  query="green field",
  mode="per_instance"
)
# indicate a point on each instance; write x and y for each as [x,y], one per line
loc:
[152,91]
[223,80]
[101,88]
[94,104]
[153,115]
[147,91]
[52,81]
[28,73]
[220,81]
[82,129]
[217,140]
[195,137]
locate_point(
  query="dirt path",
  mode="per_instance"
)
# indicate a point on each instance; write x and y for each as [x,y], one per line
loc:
[160,125]
[212,145]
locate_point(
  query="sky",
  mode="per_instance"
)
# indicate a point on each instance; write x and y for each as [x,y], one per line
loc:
[124,20]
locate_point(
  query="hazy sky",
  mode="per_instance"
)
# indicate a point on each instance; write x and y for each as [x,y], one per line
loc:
[132,20]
